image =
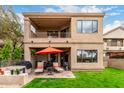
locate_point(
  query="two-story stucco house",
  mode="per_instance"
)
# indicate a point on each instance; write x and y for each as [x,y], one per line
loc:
[79,35]
[114,47]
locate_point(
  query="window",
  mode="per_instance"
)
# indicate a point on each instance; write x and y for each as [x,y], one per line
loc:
[33,29]
[86,56]
[115,42]
[87,26]
[79,26]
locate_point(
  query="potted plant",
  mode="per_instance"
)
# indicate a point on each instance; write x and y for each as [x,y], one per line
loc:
[33,52]
[1,72]
[17,71]
[12,72]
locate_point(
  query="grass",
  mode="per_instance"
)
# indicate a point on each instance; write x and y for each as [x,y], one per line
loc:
[109,78]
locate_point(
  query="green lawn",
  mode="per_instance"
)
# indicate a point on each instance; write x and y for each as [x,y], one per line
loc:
[109,78]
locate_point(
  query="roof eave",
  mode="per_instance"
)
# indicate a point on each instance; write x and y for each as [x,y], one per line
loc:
[28,14]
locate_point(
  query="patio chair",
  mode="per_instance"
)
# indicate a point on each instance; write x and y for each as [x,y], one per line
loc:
[39,68]
[57,67]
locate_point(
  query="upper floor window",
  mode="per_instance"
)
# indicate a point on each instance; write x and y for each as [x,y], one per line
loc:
[87,26]
[114,42]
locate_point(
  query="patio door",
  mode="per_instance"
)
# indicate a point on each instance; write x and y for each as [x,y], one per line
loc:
[54,57]
[64,58]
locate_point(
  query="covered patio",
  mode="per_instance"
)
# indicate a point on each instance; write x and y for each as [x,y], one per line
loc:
[56,57]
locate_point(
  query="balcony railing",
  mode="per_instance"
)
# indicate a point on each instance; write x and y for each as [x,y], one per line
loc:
[51,35]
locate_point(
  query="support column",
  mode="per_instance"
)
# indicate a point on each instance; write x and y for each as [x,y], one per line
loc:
[27,29]
[27,53]
[59,59]
[27,34]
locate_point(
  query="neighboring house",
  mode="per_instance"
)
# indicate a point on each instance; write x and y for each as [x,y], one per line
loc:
[80,35]
[114,47]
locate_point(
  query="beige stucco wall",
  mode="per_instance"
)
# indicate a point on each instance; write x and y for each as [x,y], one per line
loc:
[73,47]
[83,66]
[75,37]
[94,37]
[77,41]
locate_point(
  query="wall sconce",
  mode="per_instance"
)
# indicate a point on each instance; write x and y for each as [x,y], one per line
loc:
[32,42]
[49,41]
[67,41]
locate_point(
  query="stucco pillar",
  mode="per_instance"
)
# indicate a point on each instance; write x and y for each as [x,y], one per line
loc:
[72,27]
[59,58]
[73,57]
[27,53]
[27,29]
[123,42]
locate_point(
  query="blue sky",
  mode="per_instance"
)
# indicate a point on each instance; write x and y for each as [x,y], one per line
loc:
[114,14]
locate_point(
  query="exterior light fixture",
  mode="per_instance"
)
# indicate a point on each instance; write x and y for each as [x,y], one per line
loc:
[67,41]
[32,42]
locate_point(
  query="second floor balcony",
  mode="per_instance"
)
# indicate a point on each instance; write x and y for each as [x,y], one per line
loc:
[62,28]
[51,34]
[49,28]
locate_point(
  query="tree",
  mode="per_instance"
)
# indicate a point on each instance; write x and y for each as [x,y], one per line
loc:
[11,33]
[17,54]
[6,52]
[10,27]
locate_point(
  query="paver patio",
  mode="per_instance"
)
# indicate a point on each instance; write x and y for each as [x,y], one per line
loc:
[64,74]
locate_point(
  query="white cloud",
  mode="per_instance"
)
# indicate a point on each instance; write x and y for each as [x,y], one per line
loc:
[113,14]
[73,8]
[83,9]
[64,8]
[108,8]
[115,24]
[21,20]
[50,10]
[69,8]
[21,17]
[91,9]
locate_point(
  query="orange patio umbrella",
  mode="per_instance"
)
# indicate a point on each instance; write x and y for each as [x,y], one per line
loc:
[49,50]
